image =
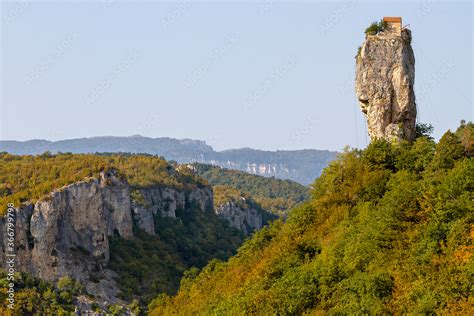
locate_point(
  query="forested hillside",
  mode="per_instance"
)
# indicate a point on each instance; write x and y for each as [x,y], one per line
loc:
[388,230]
[147,264]
[151,264]
[24,178]
[298,165]
[274,195]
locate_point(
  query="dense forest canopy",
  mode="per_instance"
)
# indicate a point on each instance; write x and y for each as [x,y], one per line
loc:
[389,229]
[152,264]
[28,178]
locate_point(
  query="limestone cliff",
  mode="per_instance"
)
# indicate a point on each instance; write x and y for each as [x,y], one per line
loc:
[385,76]
[245,218]
[68,231]
[239,210]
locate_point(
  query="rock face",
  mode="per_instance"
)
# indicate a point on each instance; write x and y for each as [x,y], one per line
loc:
[68,232]
[385,75]
[163,201]
[71,229]
[247,219]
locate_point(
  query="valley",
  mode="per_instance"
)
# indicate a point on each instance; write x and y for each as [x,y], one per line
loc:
[126,228]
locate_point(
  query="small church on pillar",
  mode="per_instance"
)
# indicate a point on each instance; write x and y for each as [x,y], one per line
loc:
[394,25]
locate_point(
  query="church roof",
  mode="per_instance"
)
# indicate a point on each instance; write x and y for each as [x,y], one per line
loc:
[392,19]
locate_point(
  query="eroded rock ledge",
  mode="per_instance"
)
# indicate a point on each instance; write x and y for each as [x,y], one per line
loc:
[245,218]
[67,232]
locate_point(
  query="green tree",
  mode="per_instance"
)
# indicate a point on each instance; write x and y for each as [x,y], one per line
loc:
[448,151]
[379,154]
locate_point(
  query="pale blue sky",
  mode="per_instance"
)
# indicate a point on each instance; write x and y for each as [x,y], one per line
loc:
[268,75]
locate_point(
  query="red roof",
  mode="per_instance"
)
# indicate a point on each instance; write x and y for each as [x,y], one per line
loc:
[392,19]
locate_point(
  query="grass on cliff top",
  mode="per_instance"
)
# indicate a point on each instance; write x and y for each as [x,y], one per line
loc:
[224,194]
[29,178]
[389,230]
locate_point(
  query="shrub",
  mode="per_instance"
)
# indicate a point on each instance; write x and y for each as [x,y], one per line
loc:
[379,154]
[376,27]
[359,50]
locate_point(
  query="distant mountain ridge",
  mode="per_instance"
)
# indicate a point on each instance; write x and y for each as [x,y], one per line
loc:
[302,166]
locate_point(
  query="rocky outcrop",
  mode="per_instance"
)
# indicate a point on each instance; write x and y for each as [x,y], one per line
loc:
[385,75]
[67,233]
[202,199]
[245,218]
[144,218]
[71,229]
[165,201]
[162,200]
